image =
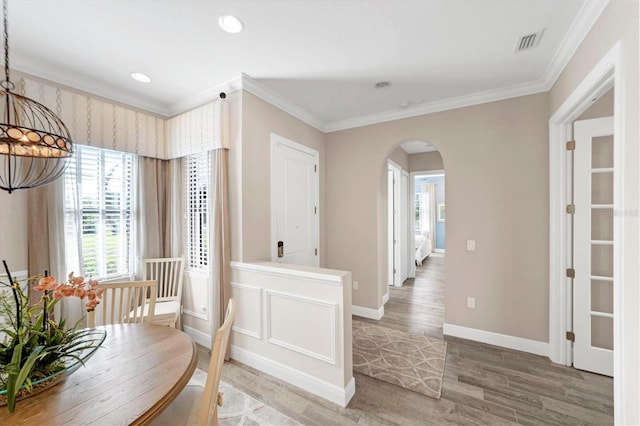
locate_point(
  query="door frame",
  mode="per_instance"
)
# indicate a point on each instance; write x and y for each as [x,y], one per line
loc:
[397,218]
[275,140]
[606,74]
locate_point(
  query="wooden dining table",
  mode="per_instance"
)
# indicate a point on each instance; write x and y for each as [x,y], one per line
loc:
[136,373]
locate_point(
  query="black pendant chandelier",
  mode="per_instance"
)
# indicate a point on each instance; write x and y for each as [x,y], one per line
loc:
[34,142]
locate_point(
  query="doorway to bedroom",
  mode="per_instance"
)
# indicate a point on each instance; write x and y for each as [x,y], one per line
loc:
[429,209]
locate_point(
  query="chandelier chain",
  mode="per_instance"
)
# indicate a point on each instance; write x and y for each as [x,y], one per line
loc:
[5,12]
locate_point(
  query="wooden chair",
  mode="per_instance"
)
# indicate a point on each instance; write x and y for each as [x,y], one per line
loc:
[211,398]
[197,406]
[124,302]
[169,272]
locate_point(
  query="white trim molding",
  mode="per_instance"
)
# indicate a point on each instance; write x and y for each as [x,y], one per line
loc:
[370,313]
[503,340]
[198,336]
[274,269]
[328,391]
[385,298]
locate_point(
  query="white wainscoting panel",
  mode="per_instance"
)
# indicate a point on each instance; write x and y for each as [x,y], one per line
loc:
[248,319]
[315,338]
[195,294]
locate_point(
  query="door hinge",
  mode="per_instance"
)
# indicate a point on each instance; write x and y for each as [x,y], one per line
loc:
[571,273]
[316,252]
[571,336]
[571,145]
[315,168]
[571,208]
[315,210]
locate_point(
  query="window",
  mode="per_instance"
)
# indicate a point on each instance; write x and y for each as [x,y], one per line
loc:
[197,176]
[99,211]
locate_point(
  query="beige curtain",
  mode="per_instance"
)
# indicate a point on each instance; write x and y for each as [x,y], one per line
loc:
[219,236]
[159,208]
[46,244]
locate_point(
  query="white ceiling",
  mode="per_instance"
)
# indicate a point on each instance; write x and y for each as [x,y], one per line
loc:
[319,59]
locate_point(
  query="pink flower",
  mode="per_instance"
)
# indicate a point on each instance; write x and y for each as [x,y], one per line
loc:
[67,290]
[80,292]
[93,283]
[46,283]
[57,295]
[91,304]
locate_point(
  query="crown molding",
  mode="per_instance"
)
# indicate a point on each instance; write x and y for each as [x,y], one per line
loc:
[587,17]
[208,95]
[91,86]
[439,106]
[254,87]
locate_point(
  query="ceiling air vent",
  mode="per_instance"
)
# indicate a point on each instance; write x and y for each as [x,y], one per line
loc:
[529,41]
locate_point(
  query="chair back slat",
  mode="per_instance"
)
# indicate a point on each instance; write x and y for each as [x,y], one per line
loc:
[169,273]
[125,303]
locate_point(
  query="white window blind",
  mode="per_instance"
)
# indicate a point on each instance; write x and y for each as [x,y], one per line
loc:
[197,176]
[99,211]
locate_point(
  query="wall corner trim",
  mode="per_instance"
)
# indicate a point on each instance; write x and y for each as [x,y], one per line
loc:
[328,391]
[370,313]
[511,342]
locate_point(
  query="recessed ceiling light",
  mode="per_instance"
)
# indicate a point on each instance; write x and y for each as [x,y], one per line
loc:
[382,84]
[142,78]
[406,104]
[230,24]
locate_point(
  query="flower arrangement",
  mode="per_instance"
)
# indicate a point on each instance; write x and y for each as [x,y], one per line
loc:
[33,346]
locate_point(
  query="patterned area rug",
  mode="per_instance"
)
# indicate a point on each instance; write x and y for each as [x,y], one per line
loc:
[238,408]
[411,361]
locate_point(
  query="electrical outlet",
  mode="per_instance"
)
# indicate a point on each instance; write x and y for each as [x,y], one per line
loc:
[471,302]
[471,245]
[355,285]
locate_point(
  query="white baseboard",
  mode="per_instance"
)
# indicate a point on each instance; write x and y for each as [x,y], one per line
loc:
[438,251]
[198,336]
[361,311]
[511,342]
[328,391]
[385,298]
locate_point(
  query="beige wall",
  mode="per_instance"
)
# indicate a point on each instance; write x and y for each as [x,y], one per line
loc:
[425,161]
[259,120]
[619,24]
[497,194]
[401,158]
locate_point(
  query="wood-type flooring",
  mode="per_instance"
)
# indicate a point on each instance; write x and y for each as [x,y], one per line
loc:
[483,384]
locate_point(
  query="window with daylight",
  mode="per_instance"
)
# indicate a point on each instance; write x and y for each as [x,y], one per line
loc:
[99,211]
[197,175]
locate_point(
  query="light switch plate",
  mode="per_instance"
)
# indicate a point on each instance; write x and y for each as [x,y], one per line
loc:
[471,245]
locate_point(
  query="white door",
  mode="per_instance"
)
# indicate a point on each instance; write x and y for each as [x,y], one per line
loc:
[593,245]
[390,227]
[394,218]
[404,225]
[294,203]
